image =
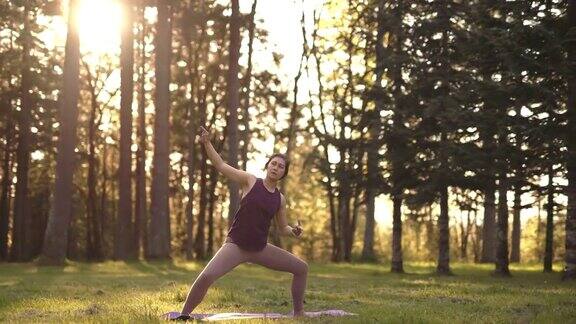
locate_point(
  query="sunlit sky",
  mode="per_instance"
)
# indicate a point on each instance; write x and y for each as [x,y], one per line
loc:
[99,23]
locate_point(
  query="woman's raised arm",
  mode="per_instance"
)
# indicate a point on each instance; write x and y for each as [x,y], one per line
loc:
[236,175]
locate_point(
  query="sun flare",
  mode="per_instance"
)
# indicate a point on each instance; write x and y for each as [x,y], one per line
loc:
[99,26]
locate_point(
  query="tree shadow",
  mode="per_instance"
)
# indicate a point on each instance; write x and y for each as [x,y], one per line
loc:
[161,268]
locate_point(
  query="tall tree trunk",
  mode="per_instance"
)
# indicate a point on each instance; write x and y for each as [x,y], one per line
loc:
[56,237]
[5,194]
[112,203]
[291,131]
[207,194]
[247,86]
[549,249]
[140,213]
[351,231]
[20,246]
[333,225]
[178,208]
[517,208]
[515,251]
[91,177]
[211,203]
[368,246]
[343,209]
[93,219]
[104,195]
[430,232]
[329,189]
[488,228]
[489,222]
[476,238]
[372,163]
[232,104]
[189,246]
[222,224]
[193,59]
[123,247]
[72,243]
[159,231]
[397,260]
[502,228]
[190,194]
[443,266]
[294,110]
[396,142]
[570,256]
[465,235]
[540,252]
[199,247]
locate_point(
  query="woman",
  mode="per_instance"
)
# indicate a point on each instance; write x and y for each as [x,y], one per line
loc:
[247,237]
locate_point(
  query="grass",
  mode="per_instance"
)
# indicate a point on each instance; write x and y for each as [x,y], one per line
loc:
[139,292]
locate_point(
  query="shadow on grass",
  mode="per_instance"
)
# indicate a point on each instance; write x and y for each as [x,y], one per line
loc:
[160,268]
[21,283]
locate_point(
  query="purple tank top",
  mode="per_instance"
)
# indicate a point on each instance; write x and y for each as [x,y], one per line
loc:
[251,223]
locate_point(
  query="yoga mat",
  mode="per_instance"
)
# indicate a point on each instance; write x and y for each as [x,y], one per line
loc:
[237,316]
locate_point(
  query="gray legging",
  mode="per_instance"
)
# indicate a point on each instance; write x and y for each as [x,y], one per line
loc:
[230,255]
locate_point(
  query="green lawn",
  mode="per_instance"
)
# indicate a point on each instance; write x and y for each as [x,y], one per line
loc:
[140,291]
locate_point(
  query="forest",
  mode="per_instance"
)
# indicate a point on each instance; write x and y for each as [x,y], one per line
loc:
[424,130]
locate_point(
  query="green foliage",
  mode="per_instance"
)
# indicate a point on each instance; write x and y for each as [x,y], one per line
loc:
[307,202]
[42,64]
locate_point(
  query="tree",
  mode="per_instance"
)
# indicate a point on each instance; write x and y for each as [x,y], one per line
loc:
[94,234]
[375,126]
[123,245]
[247,89]
[395,59]
[159,227]
[342,124]
[440,84]
[192,64]
[6,187]
[502,256]
[56,236]
[570,41]
[232,104]
[141,210]
[550,204]
[289,134]
[20,247]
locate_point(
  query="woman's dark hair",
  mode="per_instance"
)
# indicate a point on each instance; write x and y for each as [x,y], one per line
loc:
[286,163]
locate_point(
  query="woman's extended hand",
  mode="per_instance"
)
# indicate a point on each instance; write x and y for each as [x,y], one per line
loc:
[297,230]
[204,135]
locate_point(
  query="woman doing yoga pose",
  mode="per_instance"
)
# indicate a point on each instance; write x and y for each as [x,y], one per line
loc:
[247,237]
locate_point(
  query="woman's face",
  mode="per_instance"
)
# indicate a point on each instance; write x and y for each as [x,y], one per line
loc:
[276,168]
